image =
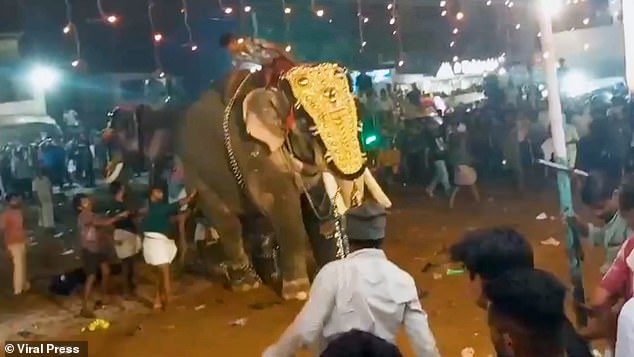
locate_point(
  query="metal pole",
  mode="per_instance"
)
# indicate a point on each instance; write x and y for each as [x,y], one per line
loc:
[628,37]
[559,142]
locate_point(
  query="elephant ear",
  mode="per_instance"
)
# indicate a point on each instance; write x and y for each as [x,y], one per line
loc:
[264,111]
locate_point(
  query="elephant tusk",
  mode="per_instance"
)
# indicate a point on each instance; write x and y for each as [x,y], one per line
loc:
[112,174]
[332,189]
[375,189]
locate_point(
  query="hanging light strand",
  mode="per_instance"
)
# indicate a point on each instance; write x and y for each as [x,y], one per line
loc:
[287,25]
[395,21]
[71,29]
[157,38]
[360,22]
[190,37]
[108,18]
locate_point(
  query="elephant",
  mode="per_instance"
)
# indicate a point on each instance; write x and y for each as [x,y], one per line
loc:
[250,149]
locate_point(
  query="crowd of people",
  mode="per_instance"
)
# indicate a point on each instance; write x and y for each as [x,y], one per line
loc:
[357,304]
[64,163]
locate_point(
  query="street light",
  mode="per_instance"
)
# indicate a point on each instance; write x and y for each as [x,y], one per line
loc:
[44,77]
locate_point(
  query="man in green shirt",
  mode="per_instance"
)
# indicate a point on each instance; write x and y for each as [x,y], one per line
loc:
[600,193]
[158,249]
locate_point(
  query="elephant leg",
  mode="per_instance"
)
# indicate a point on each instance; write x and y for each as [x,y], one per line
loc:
[284,212]
[240,273]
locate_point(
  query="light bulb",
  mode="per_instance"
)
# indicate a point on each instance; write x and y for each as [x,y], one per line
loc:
[452,43]
[228,10]
[390,6]
[319,13]
[455,31]
[455,58]
[112,19]
[459,15]
[287,10]
[363,44]
[443,13]
[66,29]
[443,3]
[161,74]
[401,63]
[586,47]
[365,20]
[517,27]
[586,21]
[488,3]
[392,21]
[158,37]
[194,48]
[288,48]
[510,4]
[247,8]
[75,63]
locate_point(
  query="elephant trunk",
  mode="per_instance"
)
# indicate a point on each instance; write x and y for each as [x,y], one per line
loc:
[113,171]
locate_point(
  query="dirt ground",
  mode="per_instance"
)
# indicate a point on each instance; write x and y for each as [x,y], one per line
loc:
[199,321]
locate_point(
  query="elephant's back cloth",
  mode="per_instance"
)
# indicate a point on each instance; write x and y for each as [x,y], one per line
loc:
[158,249]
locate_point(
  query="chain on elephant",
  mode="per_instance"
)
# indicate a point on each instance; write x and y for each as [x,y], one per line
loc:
[264,254]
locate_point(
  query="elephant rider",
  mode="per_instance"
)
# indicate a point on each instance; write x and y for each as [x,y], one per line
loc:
[273,59]
[364,291]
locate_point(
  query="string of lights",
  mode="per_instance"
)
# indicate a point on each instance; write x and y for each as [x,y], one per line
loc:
[287,25]
[157,37]
[360,20]
[392,7]
[109,18]
[190,37]
[71,30]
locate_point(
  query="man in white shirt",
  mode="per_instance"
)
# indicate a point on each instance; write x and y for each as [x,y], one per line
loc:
[364,291]
[43,190]
[625,331]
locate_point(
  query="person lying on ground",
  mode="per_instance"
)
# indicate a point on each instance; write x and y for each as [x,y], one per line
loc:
[364,291]
[487,254]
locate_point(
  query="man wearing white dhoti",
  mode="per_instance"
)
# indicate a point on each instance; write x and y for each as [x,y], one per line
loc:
[43,190]
[158,249]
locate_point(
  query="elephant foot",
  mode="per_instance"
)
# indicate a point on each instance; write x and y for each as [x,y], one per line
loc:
[295,289]
[243,278]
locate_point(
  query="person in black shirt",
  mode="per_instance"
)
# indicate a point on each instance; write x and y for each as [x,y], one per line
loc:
[126,237]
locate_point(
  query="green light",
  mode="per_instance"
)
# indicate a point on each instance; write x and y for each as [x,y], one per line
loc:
[370,139]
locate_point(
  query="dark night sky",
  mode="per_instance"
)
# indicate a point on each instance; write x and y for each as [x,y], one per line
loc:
[127,46]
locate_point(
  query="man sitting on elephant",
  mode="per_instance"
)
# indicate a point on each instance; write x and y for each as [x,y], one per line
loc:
[271,57]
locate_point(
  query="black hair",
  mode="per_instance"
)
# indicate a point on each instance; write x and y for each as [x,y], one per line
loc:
[225,39]
[115,187]
[366,244]
[488,253]
[356,343]
[77,201]
[626,196]
[11,195]
[599,187]
[529,302]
